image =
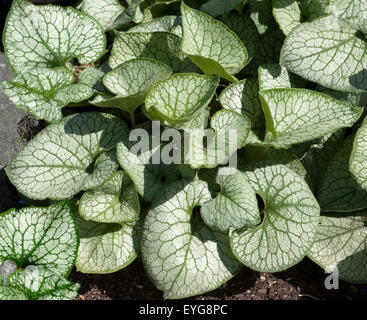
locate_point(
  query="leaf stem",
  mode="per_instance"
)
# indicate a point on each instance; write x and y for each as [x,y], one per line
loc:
[132,119]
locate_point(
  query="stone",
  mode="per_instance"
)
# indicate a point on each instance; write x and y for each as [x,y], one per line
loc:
[10,141]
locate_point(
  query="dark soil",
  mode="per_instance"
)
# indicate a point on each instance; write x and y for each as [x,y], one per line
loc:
[302,282]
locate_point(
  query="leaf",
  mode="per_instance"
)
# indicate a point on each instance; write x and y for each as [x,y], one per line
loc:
[161,8]
[180,254]
[181,96]
[346,97]
[44,92]
[115,201]
[291,216]
[130,82]
[41,236]
[9,293]
[234,207]
[106,247]
[338,191]
[150,176]
[347,9]
[272,76]
[245,29]
[104,11]
[269,47]
[211,45]
[38,283]
[299,115]
[260,12]
[358,156]
[318,156]
[161,46]
[329,52]
[230,132]
[340,243]
[287,13]
[48,36]
[219,7]
[242,97]
[171,24]
[76,154]
[313,9]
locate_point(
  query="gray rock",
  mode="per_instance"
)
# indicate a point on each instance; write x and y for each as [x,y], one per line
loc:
[6,270]
[10,141]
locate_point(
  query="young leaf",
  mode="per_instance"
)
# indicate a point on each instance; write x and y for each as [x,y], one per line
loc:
[291,216]
[327,51]
[106,247]
[171,24]
[180,97]
[358,158]
[41,236]
[37,283]
[340,242]
[48,36]
[130,82]
[104,11]
[211,45]
[76,154]
[10,293]
[181,255]
[338,190]
[234,207]
[299,115]
[243,98]
[161,46]
[287,13]
[44,92]
[115,201]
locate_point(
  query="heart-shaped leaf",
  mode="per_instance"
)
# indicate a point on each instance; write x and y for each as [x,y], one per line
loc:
[299,115]
[161,46]
[41,236]
[327,51]
[180,97]
[104,11]
[180,254]
[149,175]
[234,207]
[115,201]
[230,131]
[340,244]
[37,283]
[106,247]
[358,158]
[131,81]
[338,190]
[291,216]
[211,45]
[48,36]
[76,154]
[44,92]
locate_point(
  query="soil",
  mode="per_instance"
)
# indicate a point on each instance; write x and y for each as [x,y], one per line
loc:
[304,281]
